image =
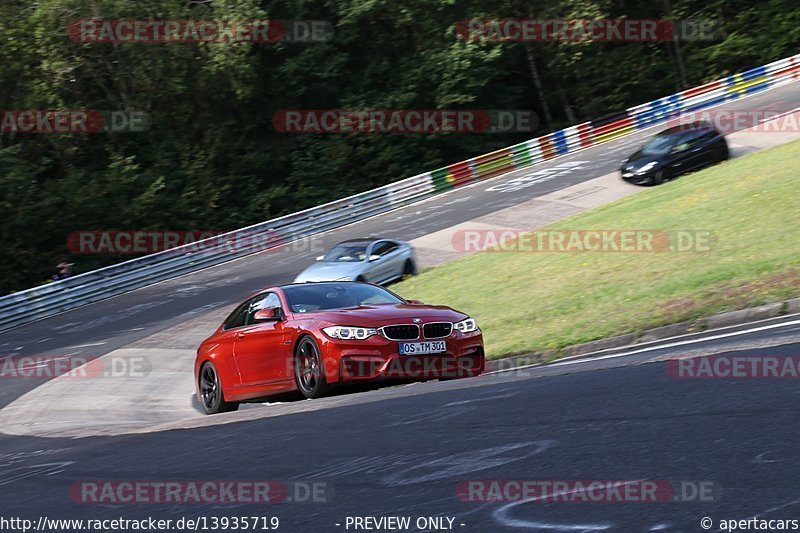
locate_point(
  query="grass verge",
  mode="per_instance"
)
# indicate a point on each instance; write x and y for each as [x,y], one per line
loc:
[545,301]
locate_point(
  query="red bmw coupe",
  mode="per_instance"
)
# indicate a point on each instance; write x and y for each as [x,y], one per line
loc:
[309,336]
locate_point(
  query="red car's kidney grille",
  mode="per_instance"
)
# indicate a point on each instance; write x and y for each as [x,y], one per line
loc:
[437,330]
[404,332]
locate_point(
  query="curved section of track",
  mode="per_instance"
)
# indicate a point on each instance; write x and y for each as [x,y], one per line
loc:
[162,325]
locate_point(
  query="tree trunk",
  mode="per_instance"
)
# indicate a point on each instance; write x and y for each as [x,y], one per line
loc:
[537,81]
[568,111]
[676,47]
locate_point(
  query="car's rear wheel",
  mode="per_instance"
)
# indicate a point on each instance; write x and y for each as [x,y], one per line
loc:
[308,370]
[410,268]
[211,391]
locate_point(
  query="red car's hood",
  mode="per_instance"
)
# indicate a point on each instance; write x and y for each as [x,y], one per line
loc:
[380,315]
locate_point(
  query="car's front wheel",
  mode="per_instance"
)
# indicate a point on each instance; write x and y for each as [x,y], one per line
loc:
[308,370]
[211,391]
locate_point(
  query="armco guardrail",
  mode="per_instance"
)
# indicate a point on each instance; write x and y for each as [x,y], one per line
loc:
[53,298]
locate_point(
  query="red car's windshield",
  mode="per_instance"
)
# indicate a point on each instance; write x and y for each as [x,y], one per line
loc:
[323,296]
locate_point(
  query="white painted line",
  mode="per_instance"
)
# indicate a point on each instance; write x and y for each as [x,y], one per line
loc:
[89,344]
[501,514]
[684,336]
[652,348]
[43,364]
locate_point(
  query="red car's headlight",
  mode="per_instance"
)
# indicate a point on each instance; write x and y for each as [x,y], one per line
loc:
[467,325]
[349,332]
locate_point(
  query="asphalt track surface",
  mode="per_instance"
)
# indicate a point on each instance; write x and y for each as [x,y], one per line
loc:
[402,451]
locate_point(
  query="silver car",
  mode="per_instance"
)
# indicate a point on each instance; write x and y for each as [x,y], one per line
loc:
[374,260]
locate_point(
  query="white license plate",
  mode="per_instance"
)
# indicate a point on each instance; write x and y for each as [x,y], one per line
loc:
[421,348]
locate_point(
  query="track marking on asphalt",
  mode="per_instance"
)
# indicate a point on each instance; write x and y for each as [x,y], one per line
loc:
[651,348]
[771,510]
[204,308]
[41,364]
[67,325]
[87,345]
[458,200]
[501,514]
[483,399]
[779,507]
[759,459]
[23,472]
[8,459]
[448,466]
[431,417]
[539,176]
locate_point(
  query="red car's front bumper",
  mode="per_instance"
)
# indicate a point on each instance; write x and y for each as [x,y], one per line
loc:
[378,357]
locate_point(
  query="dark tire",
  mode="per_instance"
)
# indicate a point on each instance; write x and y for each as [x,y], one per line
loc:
[309,373]
[211,395]
[410,268]
[362,279]
[658,179]
[724,154]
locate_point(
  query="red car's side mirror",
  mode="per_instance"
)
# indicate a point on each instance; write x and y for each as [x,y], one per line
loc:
[269,314]
[414,302]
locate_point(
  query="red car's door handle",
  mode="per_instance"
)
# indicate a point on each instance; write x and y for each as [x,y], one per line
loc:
[240,335]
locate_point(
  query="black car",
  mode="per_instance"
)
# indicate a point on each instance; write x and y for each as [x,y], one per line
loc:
[674,152]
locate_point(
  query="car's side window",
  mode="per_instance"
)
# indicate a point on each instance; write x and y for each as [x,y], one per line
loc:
[383,247]
[237,318]
[707,136]
[699,137]
[392,246]
[683,145]
[377,248]
[262,301]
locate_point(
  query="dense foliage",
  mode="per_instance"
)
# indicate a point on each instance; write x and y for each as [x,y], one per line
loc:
[212,158]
